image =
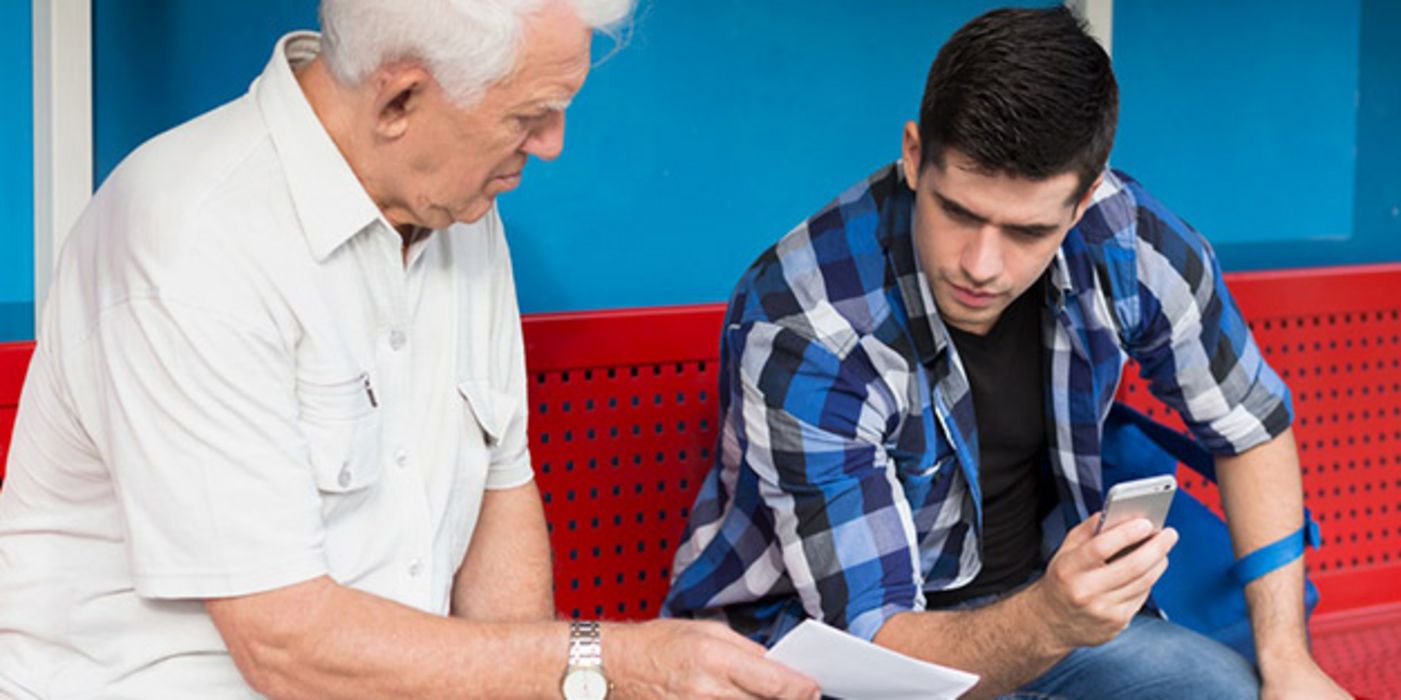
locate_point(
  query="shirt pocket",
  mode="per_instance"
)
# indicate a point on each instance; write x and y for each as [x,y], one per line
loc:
[489,411]
[341,423]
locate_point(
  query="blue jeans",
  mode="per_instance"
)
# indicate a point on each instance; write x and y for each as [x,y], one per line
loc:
[1151,660]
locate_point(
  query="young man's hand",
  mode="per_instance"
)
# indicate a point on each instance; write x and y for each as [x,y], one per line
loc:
[1086,600]
[1302,680]
[686,659]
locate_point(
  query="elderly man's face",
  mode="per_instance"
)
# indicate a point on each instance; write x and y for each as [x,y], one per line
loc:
[459,160]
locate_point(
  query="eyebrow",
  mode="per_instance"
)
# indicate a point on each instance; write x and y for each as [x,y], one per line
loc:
[962,212]
[549,105]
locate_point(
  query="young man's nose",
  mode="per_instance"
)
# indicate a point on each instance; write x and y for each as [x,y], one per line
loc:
[982,257]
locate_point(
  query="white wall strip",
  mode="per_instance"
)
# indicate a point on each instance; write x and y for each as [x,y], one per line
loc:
[62,129]
[1100,16]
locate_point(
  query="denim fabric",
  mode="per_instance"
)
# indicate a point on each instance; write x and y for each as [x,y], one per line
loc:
[1151,660]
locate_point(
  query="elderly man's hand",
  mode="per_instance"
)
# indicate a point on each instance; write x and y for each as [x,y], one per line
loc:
[686,659]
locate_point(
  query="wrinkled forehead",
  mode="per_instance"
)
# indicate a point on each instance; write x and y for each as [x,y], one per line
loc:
[553,55]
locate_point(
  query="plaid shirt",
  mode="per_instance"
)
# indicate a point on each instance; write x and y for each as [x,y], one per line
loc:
[847,482]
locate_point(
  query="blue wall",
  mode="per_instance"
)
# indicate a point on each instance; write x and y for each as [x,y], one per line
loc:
[1281,124]
[683,159]
[157,63]
[725,122]
[721,126]
[1378,206]
[17,174]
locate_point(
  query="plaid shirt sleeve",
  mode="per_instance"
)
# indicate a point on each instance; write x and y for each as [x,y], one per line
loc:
[811,422]
[1193,344]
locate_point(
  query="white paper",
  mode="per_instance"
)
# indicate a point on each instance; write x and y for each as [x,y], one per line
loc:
[853,668]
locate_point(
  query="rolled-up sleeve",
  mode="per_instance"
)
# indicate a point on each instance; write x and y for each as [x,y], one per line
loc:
[1194,345]
[812,430]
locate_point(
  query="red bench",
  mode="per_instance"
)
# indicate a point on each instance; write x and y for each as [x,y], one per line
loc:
[623,428]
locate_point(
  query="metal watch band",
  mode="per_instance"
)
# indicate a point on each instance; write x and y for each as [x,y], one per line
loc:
[585,644]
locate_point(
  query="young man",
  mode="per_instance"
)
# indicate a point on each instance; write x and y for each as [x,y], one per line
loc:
[918,374]
[273,439]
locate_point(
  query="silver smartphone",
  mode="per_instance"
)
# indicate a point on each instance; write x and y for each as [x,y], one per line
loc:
[1148,498]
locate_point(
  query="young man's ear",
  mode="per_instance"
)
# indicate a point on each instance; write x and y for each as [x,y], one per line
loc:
[911,155]
[398,93]
[1084,204]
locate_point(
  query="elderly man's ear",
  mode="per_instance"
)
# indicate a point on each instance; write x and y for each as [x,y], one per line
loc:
[399,91]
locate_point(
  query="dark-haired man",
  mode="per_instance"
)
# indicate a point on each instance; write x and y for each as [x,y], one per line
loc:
[916,377]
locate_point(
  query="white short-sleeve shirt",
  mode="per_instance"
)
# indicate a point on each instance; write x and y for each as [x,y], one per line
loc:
[241,382]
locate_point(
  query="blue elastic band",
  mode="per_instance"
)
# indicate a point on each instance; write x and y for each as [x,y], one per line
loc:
[1272,556]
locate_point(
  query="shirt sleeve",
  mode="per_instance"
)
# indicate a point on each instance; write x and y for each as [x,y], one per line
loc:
[196,416]
[810,425]
[1193,344]
[510,457]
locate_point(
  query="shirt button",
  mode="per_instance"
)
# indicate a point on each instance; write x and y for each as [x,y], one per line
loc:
[401,458]
[397,338]
[415,568]
[344,478]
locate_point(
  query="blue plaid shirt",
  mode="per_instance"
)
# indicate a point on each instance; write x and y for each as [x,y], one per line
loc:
[847,475]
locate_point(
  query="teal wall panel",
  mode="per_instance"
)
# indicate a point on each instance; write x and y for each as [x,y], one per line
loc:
[1245,119]
[16,174]
[723,123]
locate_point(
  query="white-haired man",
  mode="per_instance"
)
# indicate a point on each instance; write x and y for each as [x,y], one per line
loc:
[273,437]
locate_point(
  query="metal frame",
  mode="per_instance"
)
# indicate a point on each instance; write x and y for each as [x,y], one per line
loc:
[63,154]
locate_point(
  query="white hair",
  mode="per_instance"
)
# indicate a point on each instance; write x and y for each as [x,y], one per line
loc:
[467,45]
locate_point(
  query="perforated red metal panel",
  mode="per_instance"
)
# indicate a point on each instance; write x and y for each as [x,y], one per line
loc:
[14,360]
[1360,648]
[1335,337]
[1334,334]
[622,429]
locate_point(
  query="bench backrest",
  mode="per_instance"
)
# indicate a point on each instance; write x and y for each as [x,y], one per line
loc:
[623,429]
[623,404]
[622,424]
[14,358]
[1334,335]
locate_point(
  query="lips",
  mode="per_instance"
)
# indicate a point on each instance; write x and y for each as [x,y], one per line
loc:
[509,180]
[972,298]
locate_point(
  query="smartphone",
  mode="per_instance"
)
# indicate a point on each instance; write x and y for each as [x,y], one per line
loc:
[1147,498]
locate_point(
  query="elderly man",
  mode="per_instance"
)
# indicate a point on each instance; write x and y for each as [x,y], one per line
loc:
[273,439]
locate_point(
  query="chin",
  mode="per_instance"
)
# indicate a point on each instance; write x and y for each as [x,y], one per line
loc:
[473,213]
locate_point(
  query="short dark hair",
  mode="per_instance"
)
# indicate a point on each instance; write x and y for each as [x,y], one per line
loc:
[1026,92]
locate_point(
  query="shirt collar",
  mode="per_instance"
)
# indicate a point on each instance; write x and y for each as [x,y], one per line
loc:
[329,199]
[927,329]
[1059,286]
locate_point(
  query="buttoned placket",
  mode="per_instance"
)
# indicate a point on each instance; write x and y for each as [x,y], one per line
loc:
[390,276]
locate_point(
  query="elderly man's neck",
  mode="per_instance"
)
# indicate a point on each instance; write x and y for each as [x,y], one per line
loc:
[343,112]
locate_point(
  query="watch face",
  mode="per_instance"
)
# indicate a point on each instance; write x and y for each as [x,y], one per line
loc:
[585,684]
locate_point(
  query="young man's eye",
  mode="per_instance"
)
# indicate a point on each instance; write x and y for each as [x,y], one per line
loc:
[1031,233]
[960,216]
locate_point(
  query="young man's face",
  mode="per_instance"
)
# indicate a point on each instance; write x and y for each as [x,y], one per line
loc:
[984,238]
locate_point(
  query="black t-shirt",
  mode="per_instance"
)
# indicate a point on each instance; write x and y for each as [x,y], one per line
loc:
[1006,372]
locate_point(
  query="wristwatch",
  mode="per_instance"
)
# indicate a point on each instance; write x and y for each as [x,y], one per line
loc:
[584,678]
